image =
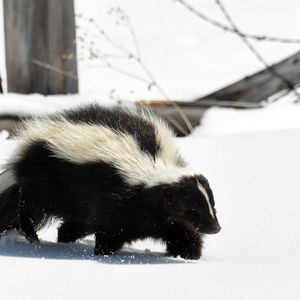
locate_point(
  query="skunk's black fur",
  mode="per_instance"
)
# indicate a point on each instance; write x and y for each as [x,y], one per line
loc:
[95,197]
[8,208]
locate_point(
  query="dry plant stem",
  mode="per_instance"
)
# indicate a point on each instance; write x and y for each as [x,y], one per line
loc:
[119,47]
[66,73]
[134,76]
[161,90]
[110,40]
[54,69]
[256,37]
[135,40]
[153,82]
[175,124]
[288,84]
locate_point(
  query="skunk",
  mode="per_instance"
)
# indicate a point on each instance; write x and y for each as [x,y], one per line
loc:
[112,172]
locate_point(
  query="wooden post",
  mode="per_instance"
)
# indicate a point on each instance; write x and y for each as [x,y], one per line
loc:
[40,46]
[1,89]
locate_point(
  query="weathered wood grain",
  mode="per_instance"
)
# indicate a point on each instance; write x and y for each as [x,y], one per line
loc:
[40,30]
[1,89]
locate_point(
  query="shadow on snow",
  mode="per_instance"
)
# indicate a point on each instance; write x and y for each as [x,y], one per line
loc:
[81,251]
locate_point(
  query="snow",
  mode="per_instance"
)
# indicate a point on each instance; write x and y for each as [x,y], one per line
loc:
[274,116]
[251,158]
[36,104]
[256,255]
[255,180]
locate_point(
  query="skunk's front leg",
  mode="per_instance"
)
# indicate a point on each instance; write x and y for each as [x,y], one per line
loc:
[107,243]
[71,231]
[26,217]
[183,241]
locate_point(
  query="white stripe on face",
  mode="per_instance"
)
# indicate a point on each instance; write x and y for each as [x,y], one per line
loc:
[203,191]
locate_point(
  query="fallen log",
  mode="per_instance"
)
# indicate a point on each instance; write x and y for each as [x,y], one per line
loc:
[261,85]
[246,93]
[194,111]
[10,123]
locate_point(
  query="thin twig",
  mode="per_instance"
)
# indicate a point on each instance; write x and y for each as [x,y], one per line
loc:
[260,58]
[110,40]
[175,124]
[222,26]
[129,74]
[204,103]
[131,29]
[66,73]
[167,98]
[54,69]
[152,82]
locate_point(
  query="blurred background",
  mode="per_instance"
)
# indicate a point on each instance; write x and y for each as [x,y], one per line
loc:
[144,52]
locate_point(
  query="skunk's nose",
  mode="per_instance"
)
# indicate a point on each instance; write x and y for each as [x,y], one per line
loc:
[216,228]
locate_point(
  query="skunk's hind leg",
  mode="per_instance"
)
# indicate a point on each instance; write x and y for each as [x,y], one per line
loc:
[71,231]
[107,243]
[26,217]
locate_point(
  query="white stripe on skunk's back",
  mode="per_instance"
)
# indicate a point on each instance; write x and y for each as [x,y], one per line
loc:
[164,136]
[83,143]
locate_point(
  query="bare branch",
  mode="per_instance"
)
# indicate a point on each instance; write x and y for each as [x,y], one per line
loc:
[256,37]
[167,98]
[137,58]
[124,72]
[284,80]
[54,69]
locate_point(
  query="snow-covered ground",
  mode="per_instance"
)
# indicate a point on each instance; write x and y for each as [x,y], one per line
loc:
[250,157]
[255,178]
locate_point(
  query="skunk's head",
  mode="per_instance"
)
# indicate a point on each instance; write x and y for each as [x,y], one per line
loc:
[191,201]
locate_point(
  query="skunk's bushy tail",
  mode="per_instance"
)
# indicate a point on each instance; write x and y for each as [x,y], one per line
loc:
[9,194]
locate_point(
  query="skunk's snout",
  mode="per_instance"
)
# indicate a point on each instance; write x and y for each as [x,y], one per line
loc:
[216,228]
